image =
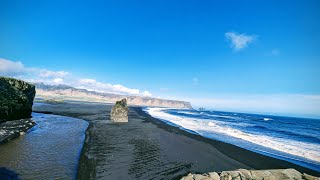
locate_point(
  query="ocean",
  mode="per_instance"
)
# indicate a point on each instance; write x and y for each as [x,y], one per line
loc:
[296,140]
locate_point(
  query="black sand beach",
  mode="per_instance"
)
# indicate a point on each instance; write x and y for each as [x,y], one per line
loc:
[146,148]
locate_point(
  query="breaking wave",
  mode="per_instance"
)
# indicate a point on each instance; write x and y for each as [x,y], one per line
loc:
[302,149]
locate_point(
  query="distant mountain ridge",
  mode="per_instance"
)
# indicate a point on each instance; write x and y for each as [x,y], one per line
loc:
[70,93]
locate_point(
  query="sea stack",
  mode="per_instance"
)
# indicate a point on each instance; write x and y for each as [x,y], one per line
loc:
[16,99]
[119,112]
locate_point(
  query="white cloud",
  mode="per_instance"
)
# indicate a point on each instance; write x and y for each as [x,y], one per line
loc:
[147,94]
[239,41]
[10,68]
[92,84]
[58,80]
[18,70]
[47,74]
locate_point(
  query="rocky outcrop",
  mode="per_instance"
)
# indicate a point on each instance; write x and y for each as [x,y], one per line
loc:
[119,112]
[242,174]
[16,99]
[13,129]
[70,93]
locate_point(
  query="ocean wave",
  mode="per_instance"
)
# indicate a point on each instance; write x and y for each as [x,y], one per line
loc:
[259,127]
[295,135]
[188,113]
[212,129]
[267,119]
[220,116]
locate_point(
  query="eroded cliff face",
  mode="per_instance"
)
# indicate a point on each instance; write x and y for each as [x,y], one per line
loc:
[16,98]
[70,93]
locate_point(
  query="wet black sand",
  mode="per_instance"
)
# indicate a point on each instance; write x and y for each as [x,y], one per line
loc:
[146,148]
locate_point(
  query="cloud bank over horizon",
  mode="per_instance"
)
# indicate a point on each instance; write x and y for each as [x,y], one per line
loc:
[304,105]
[37,75]
[301,105]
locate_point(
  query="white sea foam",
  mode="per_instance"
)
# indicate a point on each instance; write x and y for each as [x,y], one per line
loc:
[211,124]
[212,128]
[189,113]
[267,119]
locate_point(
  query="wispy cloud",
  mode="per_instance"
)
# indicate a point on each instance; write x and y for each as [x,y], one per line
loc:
[239,41]
[48,74]
[31,74]
[11,68]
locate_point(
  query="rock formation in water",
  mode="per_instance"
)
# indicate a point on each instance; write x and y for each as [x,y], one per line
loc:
[16,99]
[70,93]
[283,174]
[119,112]
[14,128]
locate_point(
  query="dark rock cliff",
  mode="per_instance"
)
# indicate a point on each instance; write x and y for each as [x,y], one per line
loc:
[16,99]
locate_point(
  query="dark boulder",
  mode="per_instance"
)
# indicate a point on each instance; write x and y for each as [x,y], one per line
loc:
[16,98]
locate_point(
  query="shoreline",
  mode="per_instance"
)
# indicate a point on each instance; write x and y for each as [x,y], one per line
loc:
[146,147]
[235,152]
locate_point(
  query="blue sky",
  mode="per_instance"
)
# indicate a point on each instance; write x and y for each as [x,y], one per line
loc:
[198,51]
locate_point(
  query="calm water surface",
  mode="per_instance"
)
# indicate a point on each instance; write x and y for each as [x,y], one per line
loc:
[50,150]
